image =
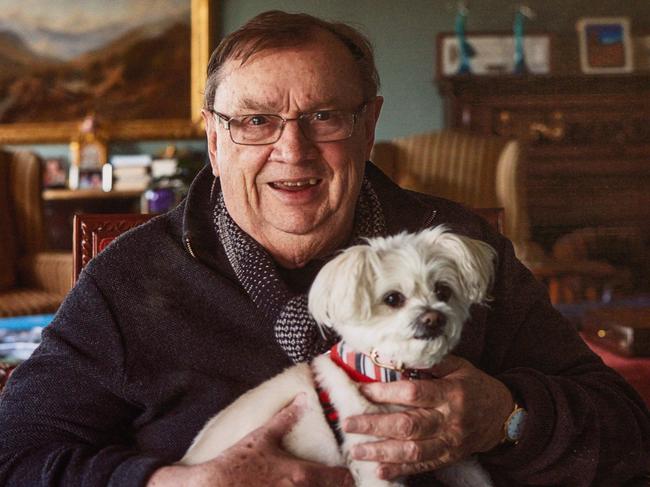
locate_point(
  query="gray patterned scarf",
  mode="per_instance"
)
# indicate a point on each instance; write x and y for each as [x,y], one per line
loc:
[295,329]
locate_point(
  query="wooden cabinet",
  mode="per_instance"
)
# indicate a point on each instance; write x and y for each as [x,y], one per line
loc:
[587,145]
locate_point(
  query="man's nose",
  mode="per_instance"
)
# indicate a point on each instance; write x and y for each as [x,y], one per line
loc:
[293,146]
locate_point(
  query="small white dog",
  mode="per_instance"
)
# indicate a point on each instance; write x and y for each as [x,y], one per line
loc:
[399,304]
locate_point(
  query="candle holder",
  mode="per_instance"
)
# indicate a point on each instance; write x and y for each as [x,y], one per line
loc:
[465,50]
[522,13]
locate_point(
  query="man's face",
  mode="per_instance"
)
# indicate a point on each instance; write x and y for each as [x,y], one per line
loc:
[295,197]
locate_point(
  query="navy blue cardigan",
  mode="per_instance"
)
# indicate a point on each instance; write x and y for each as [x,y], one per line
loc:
[158,335]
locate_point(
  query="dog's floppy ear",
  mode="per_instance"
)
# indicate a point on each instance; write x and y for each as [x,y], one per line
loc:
[342,289]
[475,260]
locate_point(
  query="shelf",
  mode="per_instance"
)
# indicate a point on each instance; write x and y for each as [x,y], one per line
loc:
[88,194]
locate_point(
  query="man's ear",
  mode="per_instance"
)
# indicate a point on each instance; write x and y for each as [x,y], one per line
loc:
[371,117]
[211,134]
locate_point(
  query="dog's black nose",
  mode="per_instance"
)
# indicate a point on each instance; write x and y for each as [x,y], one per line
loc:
[432,318]
[430,324]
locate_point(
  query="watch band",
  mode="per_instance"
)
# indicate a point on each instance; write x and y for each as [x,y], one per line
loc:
[513,426]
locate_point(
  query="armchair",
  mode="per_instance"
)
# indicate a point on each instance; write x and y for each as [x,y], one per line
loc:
[476,170]
[32,280]
[92,232]
[488,171]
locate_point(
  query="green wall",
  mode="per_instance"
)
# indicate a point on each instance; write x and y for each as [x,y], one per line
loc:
[404,32]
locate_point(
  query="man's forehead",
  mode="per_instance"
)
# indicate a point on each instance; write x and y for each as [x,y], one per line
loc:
[319,74]
[274,104]
[276,94]
[324,44]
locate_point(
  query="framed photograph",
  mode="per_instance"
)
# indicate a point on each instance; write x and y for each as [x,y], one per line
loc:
[140,69]
[55,172]
[605,45]
[494,53]
[90,180]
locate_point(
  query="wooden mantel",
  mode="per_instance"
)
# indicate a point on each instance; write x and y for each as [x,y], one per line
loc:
[587,144]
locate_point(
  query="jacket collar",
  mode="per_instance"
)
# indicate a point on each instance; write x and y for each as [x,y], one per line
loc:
[196,212]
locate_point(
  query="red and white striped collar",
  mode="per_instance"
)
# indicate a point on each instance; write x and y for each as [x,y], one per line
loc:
[362,367]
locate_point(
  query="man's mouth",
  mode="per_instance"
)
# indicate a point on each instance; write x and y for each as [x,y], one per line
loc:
[295,185]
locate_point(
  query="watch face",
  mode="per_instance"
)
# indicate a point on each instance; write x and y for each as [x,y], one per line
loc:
[516,423]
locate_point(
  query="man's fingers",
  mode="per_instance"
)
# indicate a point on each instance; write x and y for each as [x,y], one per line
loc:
[410,451]
[286,418]
[405,425]
[413,393]
[390,471]
[449,365]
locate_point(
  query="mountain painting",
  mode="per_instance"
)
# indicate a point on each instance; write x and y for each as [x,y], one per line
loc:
[121,59]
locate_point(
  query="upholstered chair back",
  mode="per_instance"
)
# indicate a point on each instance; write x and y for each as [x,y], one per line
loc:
[21,215]
[476,170]
[25,179]
[32,279]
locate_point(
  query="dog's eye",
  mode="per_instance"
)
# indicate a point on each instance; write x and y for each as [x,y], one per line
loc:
[394,299]
[443,292]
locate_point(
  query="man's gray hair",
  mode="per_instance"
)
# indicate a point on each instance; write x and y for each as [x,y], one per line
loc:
[277,29]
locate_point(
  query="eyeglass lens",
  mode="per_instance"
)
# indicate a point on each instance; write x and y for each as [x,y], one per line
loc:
[323,126]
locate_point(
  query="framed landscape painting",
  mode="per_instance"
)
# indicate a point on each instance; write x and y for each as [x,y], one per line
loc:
[137,66]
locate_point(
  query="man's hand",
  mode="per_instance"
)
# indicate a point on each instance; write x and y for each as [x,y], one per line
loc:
[258,459]
[449,418]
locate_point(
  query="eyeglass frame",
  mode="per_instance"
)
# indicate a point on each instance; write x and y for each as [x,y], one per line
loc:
[226,119]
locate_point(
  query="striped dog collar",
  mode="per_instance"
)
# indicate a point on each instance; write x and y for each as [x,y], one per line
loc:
[362,367]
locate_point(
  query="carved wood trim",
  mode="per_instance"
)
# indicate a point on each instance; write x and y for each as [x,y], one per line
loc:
[92,232]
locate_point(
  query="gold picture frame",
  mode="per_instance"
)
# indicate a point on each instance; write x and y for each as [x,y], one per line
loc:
[176,128]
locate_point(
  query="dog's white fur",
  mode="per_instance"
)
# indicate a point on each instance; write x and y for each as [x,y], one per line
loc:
[348,295]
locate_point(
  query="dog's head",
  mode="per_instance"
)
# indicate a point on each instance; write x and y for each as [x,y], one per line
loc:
[406,296]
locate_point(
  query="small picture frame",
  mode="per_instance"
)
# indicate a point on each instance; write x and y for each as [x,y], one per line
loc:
[90,180]
[55,172]
[605,45]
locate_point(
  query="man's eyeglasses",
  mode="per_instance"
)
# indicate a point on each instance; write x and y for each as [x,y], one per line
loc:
[264,128]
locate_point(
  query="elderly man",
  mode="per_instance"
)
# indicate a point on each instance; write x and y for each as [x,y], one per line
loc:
[181,316]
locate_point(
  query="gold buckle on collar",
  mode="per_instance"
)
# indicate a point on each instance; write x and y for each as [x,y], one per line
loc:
[374,356]
[399,367]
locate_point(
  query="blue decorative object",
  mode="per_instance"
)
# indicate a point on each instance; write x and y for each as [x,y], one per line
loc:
[20,335]
[518,31]
[25,322]
[465,50]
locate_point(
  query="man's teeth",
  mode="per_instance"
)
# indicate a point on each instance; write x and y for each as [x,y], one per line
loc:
[298,184]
